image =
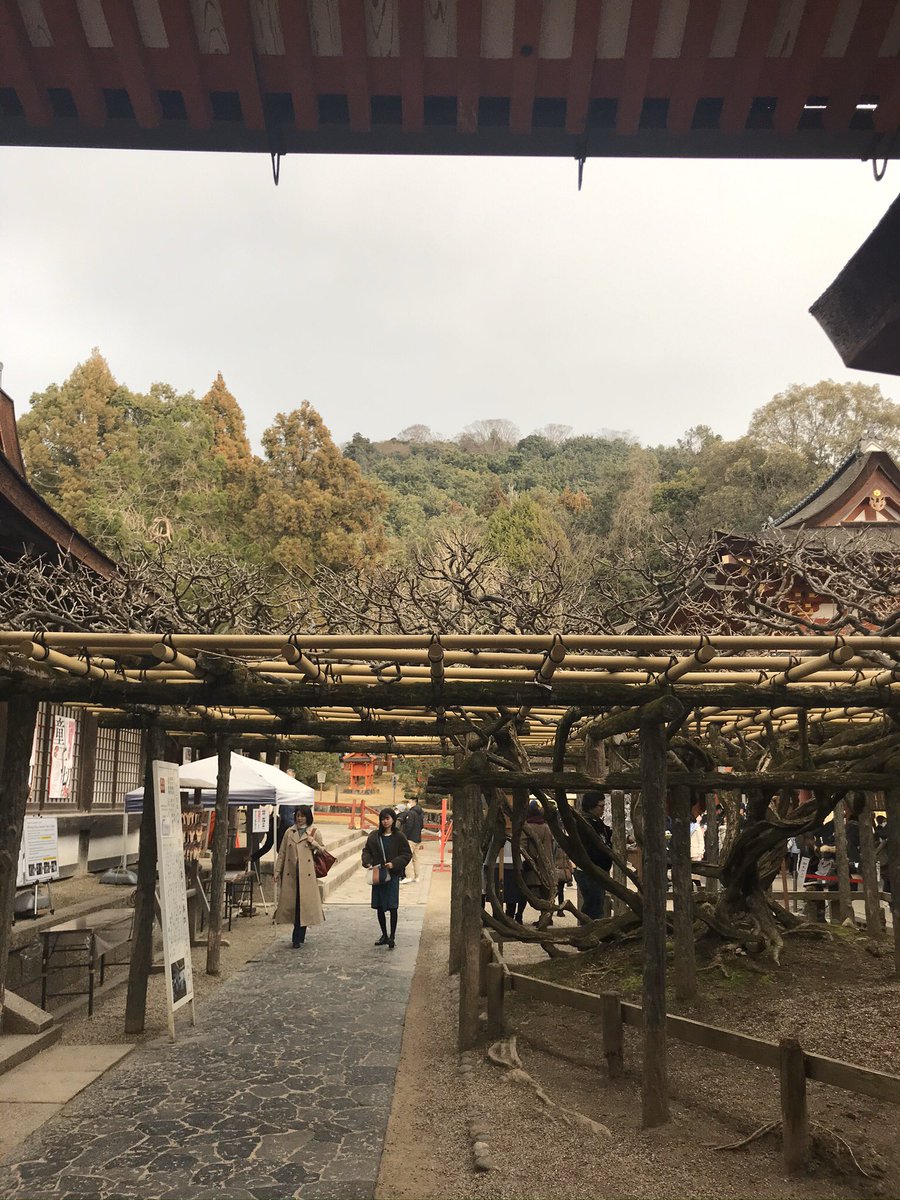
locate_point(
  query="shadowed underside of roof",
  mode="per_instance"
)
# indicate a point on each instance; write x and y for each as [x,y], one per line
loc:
[765,78]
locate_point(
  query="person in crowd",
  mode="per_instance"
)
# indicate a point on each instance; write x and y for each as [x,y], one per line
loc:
[563,876]
[538,870]
[387,849]
[880,829]
[299,901]
[593,894]
[413,824]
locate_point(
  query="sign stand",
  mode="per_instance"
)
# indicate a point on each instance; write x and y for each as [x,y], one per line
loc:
[173,891]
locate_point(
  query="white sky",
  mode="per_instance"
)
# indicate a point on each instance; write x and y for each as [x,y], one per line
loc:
[390,291]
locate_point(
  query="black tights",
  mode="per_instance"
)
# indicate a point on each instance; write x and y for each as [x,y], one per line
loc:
[383,924]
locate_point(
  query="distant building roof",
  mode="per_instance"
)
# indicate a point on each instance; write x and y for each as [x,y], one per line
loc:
[28,524]
[862,493]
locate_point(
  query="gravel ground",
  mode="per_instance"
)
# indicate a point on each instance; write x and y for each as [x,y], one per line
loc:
[836,997]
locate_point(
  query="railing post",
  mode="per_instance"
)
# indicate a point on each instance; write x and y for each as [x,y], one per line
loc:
[495,995]
[613,1034]
[794,1115]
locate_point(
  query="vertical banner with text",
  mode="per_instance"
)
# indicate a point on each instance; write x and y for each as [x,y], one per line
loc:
[172,889]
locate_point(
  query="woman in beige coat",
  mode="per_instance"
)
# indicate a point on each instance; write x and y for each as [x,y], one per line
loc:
[299,901]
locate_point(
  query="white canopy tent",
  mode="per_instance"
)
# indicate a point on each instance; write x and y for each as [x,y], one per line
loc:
[251,782]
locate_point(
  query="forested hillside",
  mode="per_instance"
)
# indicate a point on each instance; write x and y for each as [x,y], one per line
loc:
[139,471]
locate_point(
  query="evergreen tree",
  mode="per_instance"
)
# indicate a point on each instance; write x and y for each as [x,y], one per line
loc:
[315,507]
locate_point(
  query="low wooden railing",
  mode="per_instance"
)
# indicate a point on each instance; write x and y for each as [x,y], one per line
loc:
[786,1056]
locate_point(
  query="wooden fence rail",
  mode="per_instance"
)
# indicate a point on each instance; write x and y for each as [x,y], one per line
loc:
[784,1057]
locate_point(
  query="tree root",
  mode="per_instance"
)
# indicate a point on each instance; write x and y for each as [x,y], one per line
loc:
[505,1054]
[769,1127]
[772,1126]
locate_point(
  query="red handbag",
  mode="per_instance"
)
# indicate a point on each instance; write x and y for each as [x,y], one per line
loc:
[322,862]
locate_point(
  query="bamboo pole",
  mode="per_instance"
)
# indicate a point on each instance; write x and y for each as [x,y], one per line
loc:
[14,775]
[535,642]
[219,855]
[144,897]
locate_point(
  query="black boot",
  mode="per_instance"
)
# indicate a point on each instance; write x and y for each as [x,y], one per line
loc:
[383,940]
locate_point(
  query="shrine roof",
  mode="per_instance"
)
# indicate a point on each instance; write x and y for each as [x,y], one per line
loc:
[28,524]
[863,492]
[679,78]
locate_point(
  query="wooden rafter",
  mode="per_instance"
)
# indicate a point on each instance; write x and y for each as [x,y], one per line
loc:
[755,36]
[67,30]
[133,62]
[185,55]
[17,59]
[244,62]
[356,70]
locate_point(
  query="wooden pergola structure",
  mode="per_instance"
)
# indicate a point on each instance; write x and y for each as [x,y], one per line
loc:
[440,695]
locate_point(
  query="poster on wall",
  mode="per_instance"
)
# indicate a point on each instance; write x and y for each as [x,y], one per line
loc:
[38,851]
[172,890]
[62,759]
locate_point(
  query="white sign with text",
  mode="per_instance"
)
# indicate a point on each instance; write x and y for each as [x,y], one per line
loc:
[39,851]
[172,889]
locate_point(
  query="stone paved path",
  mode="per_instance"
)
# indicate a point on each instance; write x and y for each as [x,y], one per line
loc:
[283,1089]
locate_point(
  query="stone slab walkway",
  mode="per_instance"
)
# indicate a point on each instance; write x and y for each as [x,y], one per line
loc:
[283,1088]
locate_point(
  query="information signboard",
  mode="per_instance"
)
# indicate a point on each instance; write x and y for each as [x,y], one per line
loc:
[39,851]
[802,869]
[172,890]
[261,820]
[62,759]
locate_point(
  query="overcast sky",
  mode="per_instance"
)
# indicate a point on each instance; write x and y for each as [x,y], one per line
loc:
[391,291]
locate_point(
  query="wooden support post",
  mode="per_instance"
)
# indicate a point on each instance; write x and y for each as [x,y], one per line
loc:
[455,886]
[219,855]
[145,895]
[842,863]
[496,1023]
[486,954]
[711,847]
[654,1082]
[613,1034]
[874,926]
[14,776]
[683,899]
[892,803]
[467,839]
[794,1115]
[619,843]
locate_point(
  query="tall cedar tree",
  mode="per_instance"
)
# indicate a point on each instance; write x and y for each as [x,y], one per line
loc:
[70,431]
[315,507]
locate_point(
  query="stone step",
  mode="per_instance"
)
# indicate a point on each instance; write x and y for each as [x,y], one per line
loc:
[16,1048]
[349,862]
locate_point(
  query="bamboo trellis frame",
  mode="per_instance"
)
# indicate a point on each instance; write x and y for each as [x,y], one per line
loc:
[776,677]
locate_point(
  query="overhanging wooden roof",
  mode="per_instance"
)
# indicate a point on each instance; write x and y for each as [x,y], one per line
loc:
[764,78]
[28,524]
[414,694]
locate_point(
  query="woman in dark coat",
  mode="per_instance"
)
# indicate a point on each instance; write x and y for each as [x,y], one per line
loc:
[387,849]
